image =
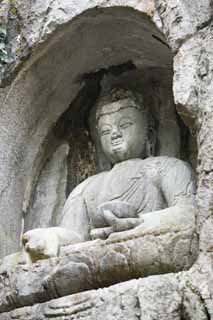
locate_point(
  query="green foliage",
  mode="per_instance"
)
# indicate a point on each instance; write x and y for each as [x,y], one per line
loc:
[12,7]
[3,52]
[2,32]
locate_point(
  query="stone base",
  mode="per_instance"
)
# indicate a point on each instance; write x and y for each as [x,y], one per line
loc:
[96,264]
[162,297]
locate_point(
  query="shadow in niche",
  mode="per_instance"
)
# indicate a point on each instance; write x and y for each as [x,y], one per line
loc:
[76,116]
[160,40]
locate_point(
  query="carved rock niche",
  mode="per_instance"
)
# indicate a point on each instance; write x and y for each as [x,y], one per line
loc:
[135,55]
[49,149]
[99,49]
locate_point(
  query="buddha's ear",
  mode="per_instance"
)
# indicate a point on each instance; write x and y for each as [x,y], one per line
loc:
[151,141]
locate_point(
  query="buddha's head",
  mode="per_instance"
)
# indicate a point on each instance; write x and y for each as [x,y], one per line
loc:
[122,125]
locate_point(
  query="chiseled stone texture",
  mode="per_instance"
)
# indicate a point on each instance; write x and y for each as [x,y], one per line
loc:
[95,264]
[188,27]
[181,19]
[205,184]
[193,85]
[161,297]
[31,23]
[50,192]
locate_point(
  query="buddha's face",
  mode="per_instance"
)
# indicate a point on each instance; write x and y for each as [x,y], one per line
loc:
[123,134]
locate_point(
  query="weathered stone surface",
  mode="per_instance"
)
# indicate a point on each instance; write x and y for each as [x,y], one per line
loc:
[193,95]
[96,264]
[163,297]
[49,195]
[193,85]
[205,185]
[181,19]
[30,24]
[193,70]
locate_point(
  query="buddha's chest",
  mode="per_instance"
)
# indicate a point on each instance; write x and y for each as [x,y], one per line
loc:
[131,182]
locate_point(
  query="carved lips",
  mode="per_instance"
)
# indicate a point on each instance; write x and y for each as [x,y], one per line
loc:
[116,144]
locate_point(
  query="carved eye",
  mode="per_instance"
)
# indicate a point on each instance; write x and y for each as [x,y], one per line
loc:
[105,131]
[125,125]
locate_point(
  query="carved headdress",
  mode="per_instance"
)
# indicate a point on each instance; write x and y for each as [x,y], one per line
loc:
[124,98]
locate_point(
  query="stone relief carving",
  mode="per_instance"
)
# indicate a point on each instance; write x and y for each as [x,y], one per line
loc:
[124,254]
[134,220]
[140,192]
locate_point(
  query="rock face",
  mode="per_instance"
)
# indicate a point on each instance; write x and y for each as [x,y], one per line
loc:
[95,264]
[50,47]
[149,298]
[46,208]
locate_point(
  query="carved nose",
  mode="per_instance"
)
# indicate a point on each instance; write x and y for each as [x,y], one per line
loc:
[116,134]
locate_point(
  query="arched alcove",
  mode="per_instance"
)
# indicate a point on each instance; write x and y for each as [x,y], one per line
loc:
[56,74]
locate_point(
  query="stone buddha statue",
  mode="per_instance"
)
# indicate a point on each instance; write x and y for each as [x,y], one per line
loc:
[140,192]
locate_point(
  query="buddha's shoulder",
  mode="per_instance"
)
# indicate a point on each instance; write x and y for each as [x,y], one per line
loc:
[88,183]
[163,163]
[162,160]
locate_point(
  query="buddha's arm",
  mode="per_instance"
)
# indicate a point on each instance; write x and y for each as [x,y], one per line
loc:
[175,180]
[178,188]
[74,228]
[75,218]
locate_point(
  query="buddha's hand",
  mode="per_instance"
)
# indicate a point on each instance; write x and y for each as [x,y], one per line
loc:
[121,209]
[120,224]
[101,233]
[45,243]
[119,215]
